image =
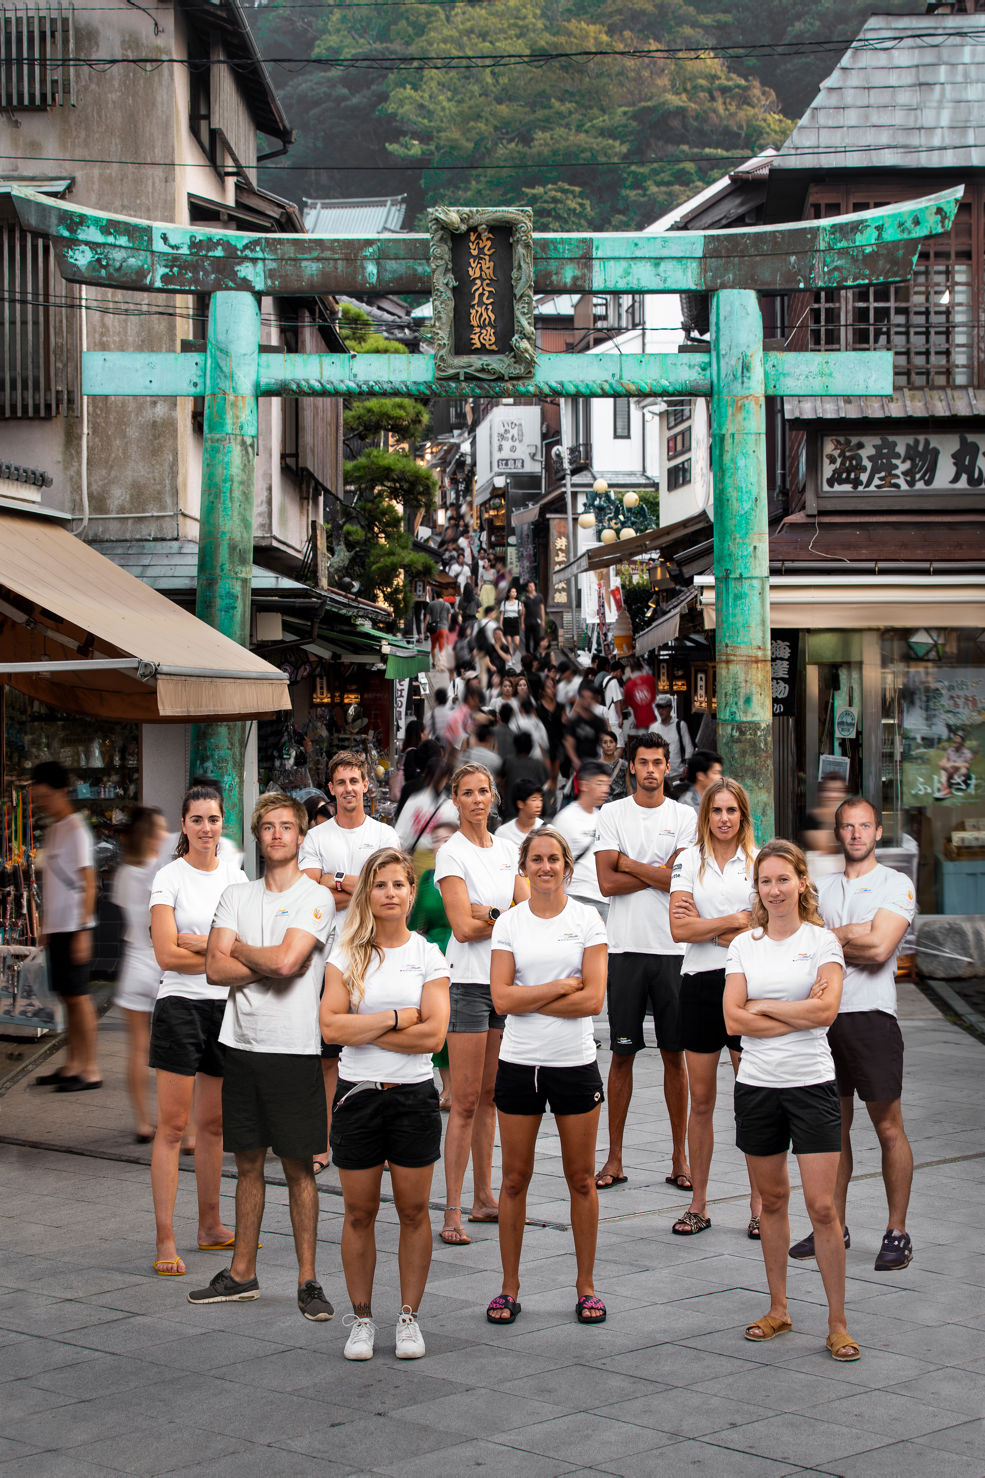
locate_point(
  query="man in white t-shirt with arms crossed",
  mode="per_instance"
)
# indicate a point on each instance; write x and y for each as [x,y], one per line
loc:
[334,855]
[267,944]
[638,839]
[869,908]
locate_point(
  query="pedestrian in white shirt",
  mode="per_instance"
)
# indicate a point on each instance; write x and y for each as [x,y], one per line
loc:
[185,1051]
[578,824]
[869,907]
[710,893]
[638,839]
[140,974]
[334,855]
[386,1000]
[675,732]
[528,798]
[266,947]
[783,983]
[548,978]
[478,879]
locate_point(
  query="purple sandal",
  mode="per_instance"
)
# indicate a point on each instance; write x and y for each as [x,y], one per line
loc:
[590,1309]
[503,1303]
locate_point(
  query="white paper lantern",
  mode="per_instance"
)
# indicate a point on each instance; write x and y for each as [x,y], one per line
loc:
[600,486]
[631,500]
[627,533]
[586,520]
[608,536]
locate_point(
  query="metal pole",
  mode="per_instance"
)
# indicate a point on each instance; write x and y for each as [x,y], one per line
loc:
[742,612]
[225,547]
[565,407]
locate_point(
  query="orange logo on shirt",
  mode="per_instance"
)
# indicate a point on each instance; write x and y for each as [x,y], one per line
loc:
[317,913]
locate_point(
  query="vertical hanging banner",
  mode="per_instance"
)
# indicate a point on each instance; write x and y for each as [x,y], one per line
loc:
[482,275]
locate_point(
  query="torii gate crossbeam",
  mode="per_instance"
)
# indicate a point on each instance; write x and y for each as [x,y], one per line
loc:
[737,375]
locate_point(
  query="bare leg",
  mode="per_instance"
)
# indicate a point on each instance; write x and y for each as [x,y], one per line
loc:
[619,1092]
[174,1098]
[250,1196]
[208,1158]
[818,1174]
[518,1136]
[755,1204]
[484,1202]
[138,1073]
[702,1074]
[303,1198]
[897,1158]
[768,1174]
[675,1097]
[411,1192]
[82,1023]
[846,1163]
[578,1134]
[466,1063]
[330,1076]
[361,1194]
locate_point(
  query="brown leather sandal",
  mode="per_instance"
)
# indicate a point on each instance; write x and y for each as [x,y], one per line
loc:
[841,1345]
[770,1326]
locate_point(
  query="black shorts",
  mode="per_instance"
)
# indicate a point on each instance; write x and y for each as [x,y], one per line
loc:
[511,626]
[331,1051]
[521,1089]
[274,1100]
[702,1018]
[184,1037]
[400,1124]
[867,1047]
[64,977]
[638,982]
[768,1119]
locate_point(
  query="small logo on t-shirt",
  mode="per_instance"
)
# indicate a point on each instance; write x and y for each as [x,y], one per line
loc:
[281,913]
[316,912]
[807,955]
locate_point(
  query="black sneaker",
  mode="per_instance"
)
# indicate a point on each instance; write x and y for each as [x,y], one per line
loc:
[805,1248]
[895,1253]
[224,1289]
[313,1303]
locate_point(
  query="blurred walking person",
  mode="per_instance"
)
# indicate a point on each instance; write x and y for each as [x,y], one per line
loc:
[140,974]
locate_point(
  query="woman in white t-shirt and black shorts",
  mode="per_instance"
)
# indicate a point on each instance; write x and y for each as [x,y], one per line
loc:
[184,1035]
[710,892]
[386,1002]
[548,977]
[511,616]
[478,878]
[783,983]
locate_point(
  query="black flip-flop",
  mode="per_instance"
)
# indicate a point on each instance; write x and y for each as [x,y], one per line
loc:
[612,1180]
[51,1080]
[78,1085]
[503,1302]
[587,1306]
[681,1181]
[319,1165]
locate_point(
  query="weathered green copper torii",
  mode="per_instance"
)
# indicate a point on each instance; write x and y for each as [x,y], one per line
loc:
[732,266]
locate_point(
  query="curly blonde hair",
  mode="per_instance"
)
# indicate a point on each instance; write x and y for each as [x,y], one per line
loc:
[807,905]
[358,938]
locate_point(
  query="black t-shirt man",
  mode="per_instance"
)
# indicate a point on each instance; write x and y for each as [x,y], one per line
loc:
[585,730]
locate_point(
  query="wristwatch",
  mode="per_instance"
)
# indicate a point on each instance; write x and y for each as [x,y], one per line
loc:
[493,915]
[339,879]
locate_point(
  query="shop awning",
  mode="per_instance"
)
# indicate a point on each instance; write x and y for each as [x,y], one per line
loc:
[407,664]
[666,627]
[82,634]
[856,602]
[667,541]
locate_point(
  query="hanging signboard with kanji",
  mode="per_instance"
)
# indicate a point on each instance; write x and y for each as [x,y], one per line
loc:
[898,465]
[783,672]
[482,273]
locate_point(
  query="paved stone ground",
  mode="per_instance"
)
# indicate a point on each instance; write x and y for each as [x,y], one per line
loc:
[106,1369]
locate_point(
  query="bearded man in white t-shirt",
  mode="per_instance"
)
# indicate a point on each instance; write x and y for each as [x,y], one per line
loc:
[268,944]
[334,854]
[638,840]
[869,908]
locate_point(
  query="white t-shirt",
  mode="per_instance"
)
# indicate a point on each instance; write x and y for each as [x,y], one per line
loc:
[276,1015]
[510,832]
[336,848]
[194,895]
[784,970]
[542,950]
[425,810]
[640,922]
[140,974]
[856,901]
[67,850]
[489,874]
[395,983]
[715,894]
[578,827]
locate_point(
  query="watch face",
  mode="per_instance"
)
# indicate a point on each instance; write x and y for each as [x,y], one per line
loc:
[494,914]
[339,877]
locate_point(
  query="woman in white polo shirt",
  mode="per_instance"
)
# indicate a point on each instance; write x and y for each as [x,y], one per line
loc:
[782,990]
[709,905]
[477,875]
[386,1002]
[548,978]
[184,1036]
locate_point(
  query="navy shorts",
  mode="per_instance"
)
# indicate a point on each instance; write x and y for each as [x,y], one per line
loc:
[521,1089]
[184,1037]
[370,1124]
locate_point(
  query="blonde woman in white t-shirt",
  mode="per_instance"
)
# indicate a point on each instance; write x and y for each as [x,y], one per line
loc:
[386,1002]
[783,982]
[548,978]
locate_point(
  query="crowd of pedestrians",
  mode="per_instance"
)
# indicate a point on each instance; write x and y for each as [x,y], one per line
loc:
[559,848]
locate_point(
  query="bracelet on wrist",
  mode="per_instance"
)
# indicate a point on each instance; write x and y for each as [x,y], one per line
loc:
[396,1021]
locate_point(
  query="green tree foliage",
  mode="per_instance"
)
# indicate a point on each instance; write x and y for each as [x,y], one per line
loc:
[372,545]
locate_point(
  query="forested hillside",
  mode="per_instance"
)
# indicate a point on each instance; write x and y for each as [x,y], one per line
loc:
[598,113]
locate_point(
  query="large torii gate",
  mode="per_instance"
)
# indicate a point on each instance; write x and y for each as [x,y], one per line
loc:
[237,269]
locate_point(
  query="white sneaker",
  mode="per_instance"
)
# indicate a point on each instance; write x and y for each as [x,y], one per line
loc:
[359,1345]
[410,1340]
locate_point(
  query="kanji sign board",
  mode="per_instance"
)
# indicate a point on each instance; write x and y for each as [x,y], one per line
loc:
[899,463]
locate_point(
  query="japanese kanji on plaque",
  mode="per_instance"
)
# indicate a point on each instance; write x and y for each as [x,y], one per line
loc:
[482,279]
[904,462]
